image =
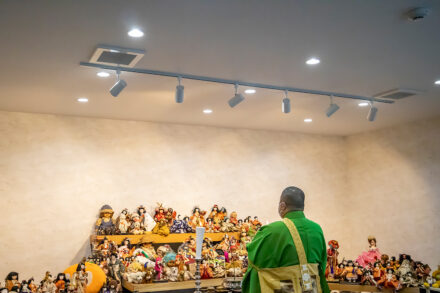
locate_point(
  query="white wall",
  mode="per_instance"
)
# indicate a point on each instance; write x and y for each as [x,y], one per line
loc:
[57,171]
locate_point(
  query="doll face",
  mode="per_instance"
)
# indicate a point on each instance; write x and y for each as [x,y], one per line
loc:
[61,277]
[14,277]
[372,242]
[141,211]
[107,215]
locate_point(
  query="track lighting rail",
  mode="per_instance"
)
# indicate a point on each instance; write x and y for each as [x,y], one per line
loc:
[234,82]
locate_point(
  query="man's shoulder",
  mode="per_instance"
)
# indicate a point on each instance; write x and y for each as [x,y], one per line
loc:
[313,225]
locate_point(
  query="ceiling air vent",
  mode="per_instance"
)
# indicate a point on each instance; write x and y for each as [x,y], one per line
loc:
[116,56]
[397,94]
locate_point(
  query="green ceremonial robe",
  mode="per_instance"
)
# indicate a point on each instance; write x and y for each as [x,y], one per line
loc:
[273,247]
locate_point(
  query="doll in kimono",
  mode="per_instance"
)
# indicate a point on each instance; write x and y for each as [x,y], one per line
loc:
[389,281]
[178,226]
[48,284]
[31,285]
[210,226]
[187,225]
[123,222]
[197,219]
[60,283]
[12,281]
[368,279]
[332,259]
[233,218]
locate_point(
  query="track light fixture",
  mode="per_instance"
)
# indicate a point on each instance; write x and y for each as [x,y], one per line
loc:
[236,99]
[332,108]
[118,86]
[179,92]
[372,113]
[286,103]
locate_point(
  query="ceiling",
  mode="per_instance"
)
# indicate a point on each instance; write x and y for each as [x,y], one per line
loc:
[365,47]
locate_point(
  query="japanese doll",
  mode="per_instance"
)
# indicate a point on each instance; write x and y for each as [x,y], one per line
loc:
[332,259]
[197,219]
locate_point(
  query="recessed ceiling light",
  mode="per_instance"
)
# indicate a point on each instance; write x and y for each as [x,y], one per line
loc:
[250,91]
[363,104]
[207,111]
[308,120]
[103,74]
[136,33]
[437,82]
[82,100]
[313,61]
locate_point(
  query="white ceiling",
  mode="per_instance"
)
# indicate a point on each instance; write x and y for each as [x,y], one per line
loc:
[365,47]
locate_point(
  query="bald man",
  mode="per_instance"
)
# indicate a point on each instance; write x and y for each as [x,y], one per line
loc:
[273,246]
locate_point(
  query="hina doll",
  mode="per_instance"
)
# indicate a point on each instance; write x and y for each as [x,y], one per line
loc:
[389,281]
[60,283]
[170,215]
[340,272]
[222,214]
[48,284]
[104,248]
[210,226]
[105,225]
[80,278]
[24,287]
[206,271]
[12,281]
[123,223]
[246,223]
[216,217]
[178,226]
[187,225]
[370,256]
[31,285]
[125,249]
[233,218]
[368,279]
[377,272]
[332,259]
[197,219]
[256,222]
[227,226]
[136,225]
[350,273]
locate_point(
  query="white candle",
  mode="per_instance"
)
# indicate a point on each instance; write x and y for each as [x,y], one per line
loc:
[199,241]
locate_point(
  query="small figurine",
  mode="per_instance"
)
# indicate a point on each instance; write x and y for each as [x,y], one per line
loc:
[123,222]
[104,248]
[60,282]
[48,284]
[368,279]
[170,215]
[340,272]
[222,214]
[31,285]
[80,278]
[116,269]
[24,287]
[12,281]
[256,222]
[377,272]
[125,249]
[197,219]
[389,281]
[178,226]
[350,273]
[105,225]
[233,218]
[332,260]
[370,256]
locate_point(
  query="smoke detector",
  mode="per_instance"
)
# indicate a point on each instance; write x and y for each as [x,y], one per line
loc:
[397,94]
[418,13]
[116,56]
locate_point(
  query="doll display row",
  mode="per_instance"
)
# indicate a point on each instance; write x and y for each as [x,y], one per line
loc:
[376,269]
[143,263]
[62,283]
[166,221]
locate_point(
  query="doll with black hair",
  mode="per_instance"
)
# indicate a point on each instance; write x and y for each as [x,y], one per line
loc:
[31,285]
[60,283]
[198,218]
[368,279]
[389,281]
[12,280]
[79,278]
[24,287]
[186,225]
[48,285]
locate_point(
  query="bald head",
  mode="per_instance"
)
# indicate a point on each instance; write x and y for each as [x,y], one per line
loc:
[292,199]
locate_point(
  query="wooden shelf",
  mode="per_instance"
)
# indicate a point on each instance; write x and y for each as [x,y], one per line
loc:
[155,238]
[362,288]
[170,286]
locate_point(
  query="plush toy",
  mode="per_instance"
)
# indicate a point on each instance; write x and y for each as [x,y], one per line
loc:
[135,277]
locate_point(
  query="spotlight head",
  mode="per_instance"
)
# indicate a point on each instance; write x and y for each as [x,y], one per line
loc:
[235,100]
[286,105]
[372,114]
[332,109]
[118,87]
[179,94]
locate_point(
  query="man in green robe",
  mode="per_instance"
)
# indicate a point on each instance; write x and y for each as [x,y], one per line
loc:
[273,245]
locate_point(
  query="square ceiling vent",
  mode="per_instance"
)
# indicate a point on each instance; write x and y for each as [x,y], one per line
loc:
[116,56]
[397,94]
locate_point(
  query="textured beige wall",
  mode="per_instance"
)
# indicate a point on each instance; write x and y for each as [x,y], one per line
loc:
[393,190]
[57,171]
